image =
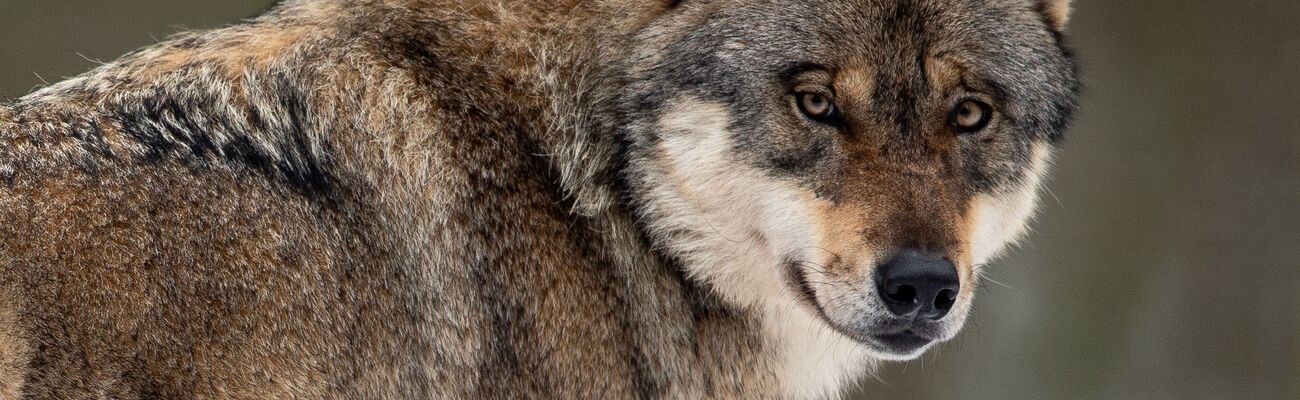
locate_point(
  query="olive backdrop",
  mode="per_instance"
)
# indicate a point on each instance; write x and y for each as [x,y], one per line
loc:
[1165,262]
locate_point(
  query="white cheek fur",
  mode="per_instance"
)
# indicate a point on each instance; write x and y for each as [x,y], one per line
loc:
[734,226]
[998,220]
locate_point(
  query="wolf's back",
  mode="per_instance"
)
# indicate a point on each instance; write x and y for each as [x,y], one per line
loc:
[169,228]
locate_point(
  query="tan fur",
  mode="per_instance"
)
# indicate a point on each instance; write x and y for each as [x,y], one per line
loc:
[856,84]
[943,71]
[1057,13]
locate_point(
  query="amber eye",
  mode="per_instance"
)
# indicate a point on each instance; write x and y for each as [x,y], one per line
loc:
[970,116]
[816,106]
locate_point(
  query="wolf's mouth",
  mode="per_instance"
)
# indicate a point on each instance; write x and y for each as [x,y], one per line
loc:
[906,336]
[905,342]
[797,277]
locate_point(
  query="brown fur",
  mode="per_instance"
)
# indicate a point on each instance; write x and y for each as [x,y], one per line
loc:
[383,199]
[190,279]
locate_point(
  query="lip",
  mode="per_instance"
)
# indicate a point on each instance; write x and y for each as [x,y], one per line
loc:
[905,342]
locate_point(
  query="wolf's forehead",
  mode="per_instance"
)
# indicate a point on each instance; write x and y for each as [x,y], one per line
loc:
[942,24]
[892,31]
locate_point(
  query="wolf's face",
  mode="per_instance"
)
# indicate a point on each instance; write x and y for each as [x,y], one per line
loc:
[856,159]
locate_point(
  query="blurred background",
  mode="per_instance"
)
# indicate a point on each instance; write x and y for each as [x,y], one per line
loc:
[1166,259]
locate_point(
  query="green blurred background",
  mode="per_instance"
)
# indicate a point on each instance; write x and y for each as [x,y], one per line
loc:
[1165,262]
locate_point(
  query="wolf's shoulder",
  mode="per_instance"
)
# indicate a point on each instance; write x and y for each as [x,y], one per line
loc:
[261,95]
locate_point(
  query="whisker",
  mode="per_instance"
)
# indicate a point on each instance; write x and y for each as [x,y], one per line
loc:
[996,282]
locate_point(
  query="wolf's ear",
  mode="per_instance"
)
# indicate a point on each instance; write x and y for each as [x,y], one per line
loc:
[1055,12]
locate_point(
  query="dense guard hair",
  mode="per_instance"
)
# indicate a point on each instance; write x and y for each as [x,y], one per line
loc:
[369,199]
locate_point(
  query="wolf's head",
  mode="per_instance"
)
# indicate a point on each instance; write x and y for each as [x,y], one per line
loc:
[859,160]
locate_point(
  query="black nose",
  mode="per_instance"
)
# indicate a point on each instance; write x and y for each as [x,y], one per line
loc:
[918,282]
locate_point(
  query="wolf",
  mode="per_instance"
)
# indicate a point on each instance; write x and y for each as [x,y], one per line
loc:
[400,199]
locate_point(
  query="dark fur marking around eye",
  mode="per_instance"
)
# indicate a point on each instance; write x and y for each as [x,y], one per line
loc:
[803,160]
[792,71]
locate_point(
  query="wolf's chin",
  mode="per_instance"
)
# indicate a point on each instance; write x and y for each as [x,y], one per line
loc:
[901,346]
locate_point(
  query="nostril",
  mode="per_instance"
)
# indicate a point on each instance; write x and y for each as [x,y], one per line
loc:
[945,300]
[902,294]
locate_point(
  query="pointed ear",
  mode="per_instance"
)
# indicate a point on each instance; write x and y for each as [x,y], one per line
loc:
[1055,12]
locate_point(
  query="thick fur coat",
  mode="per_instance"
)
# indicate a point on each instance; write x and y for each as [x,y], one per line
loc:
[513,199]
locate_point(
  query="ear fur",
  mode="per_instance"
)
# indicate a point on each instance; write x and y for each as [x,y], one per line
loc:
[1055,12]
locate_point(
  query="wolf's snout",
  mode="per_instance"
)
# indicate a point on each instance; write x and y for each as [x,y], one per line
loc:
[914,282]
